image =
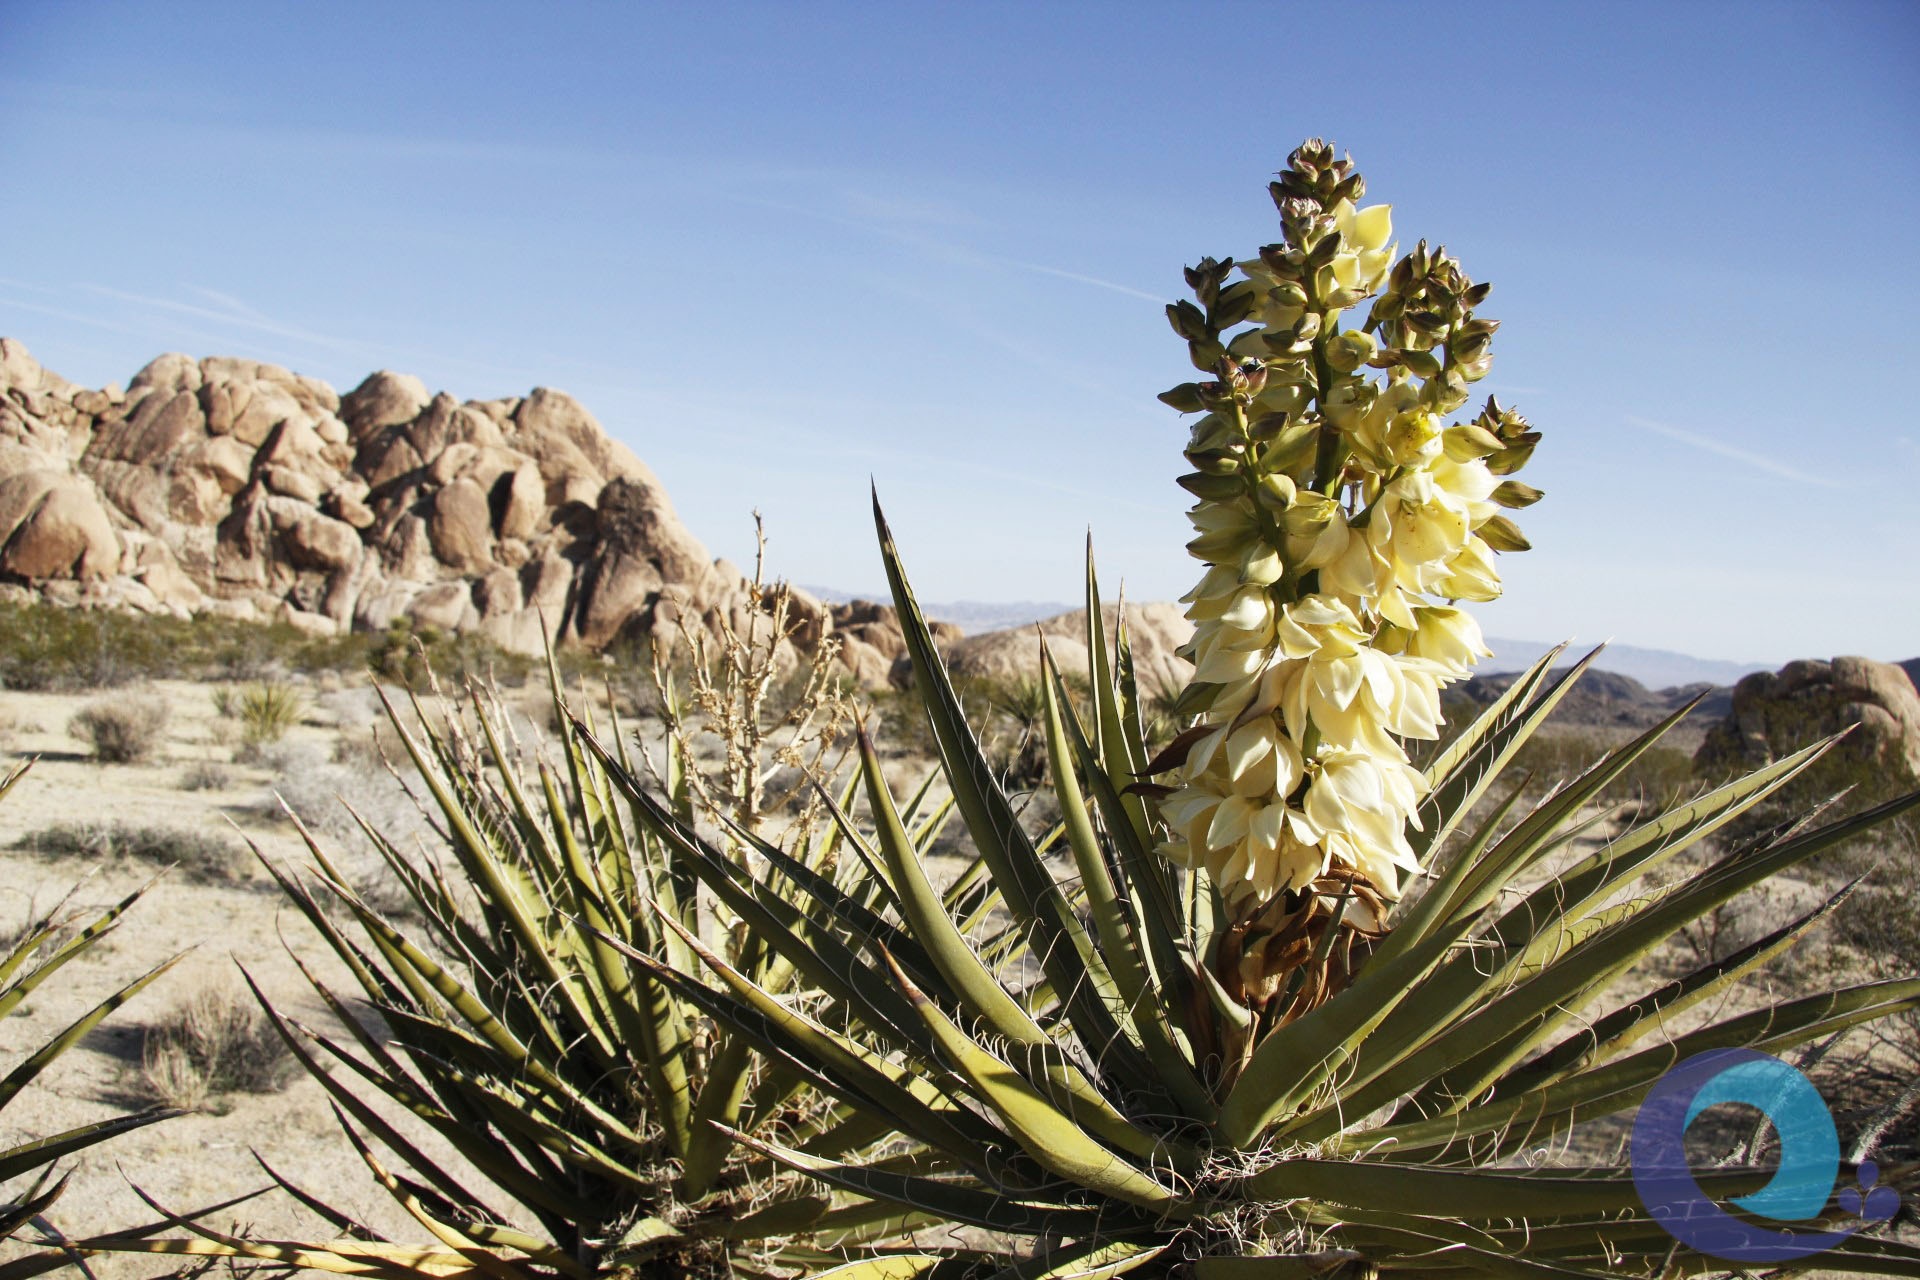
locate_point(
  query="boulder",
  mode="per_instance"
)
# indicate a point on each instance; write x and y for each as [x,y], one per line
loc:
[52,526]
[1154,631]
[314,541]
[1774,714]
[521,498]
[385,399]
[461,527]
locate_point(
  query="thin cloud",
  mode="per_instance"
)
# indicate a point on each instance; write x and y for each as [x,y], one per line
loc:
[1758,461]
[1076,277]
[230,312]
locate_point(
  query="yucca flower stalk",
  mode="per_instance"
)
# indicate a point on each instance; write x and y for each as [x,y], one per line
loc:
[1368,1086]
[1341,517]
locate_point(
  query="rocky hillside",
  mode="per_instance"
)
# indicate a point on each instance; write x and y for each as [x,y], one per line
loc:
[239,488]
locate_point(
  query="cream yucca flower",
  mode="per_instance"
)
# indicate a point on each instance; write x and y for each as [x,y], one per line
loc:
[1342,511]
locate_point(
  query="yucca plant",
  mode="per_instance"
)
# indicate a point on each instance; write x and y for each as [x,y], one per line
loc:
[47,943]
[592,1106]
[1300,1009]
[268,710]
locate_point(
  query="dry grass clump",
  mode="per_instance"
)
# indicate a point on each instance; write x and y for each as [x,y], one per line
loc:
[121,730]
[215,1044]
[200,856]
[205,775]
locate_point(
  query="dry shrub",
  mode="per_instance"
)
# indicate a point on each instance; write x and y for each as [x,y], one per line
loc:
[776,720]
[121,730]
[215,1044]
[205,775]
[201,857]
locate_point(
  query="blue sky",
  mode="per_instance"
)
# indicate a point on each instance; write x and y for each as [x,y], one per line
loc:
[781,249]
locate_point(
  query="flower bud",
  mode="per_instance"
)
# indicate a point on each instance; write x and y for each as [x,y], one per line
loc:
[1350,350]
[1466,441]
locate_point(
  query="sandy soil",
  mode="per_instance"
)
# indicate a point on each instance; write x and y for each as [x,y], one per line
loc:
[200,1158]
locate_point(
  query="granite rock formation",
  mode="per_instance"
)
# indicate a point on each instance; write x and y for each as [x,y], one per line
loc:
[239,488]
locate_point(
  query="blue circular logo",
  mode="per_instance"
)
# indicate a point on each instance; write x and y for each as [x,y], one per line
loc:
[1800,1189]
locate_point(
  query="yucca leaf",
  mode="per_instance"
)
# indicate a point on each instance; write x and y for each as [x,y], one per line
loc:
[781,1218]
[340,1257]
[1159,918]
[512,1178]
[1613,1086]
[967,980]
[1055,1141]
[17,1213]
[724,1091]
[892,1266]
[1093,1258]
[1454,753]
[339,1220]
[459,1237]
[1459,777]
[1113,925]
[1607,1036]
[739,891]
[27,1156]
[12,994]
[1473,1195]
[976,989]
[1277,1266]
[1517,848]
[1288,1065]
[1058,939]
[993,1208]
[1551,995]
[1479,982]
[836,1065]
[822,957]
[503,887]
[24,1073]
[1121,752]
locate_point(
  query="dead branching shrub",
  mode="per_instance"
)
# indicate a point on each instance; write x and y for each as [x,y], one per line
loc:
[121,730]
[774,721]
[214,1045]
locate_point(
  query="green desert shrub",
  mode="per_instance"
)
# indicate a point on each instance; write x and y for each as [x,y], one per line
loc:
[267,710]
[51,648]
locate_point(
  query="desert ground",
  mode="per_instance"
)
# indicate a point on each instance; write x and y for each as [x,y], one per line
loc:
[215,919]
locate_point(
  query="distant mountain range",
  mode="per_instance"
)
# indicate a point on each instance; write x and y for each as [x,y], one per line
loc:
[1654,668]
